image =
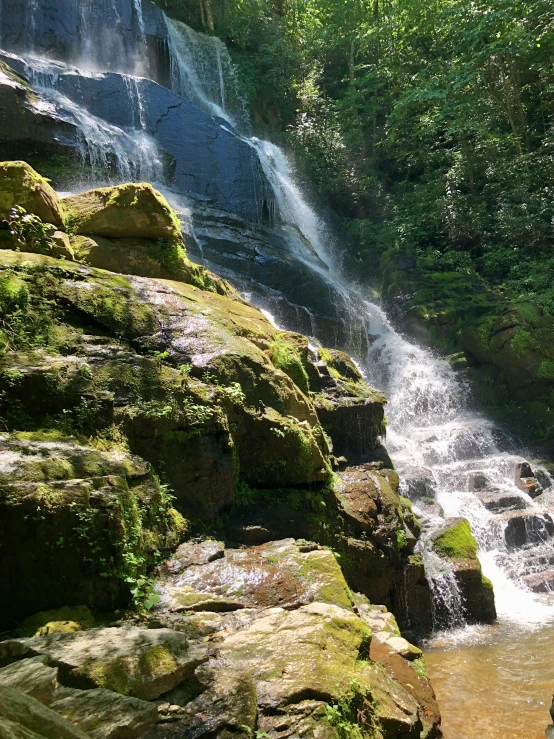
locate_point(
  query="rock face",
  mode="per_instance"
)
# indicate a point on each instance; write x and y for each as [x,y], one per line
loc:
[108,380]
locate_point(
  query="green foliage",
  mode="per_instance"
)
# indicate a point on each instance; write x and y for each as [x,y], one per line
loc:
[29,231]
[143,592]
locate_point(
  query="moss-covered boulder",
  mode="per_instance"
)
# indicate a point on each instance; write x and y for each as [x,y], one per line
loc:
[128,660]
[351,412]
[182,372]
[78,618]
[146,258]
[133,210]
[95,518]
[21,185]
[455,542]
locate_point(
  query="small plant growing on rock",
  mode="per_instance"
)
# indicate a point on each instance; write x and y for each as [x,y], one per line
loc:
[142,590]
[29,230]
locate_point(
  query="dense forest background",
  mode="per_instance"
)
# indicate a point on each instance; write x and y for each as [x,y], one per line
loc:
[427,125]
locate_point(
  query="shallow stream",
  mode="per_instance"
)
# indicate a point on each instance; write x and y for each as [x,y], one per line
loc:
[494,682]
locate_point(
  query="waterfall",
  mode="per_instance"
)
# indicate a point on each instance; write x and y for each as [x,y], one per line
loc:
[431,424]
[202,71]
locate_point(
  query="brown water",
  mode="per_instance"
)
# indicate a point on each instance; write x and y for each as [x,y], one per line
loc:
[494,682]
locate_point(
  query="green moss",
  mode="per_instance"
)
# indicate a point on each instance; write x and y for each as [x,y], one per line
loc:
[286,358]
[76,614]
[456,542]
[158,660]
[486,583]
[523,343]
[546,370]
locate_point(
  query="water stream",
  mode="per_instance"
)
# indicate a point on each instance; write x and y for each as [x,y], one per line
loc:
[467,465]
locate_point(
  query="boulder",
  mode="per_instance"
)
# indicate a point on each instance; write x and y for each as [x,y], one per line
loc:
[280,574]
[283,651]
[103,714]
[227,706]
[80,616]
[143,663]
[21,185]
[524,527]
[196,410]
[417,482]
[350,411]
[124,211]
[145,258]
[455,540]
[24,717]
[33,677]
[456,543]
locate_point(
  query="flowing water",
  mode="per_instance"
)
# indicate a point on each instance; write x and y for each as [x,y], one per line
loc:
[491,681]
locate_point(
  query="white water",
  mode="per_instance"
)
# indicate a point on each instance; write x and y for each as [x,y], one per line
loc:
[202,72]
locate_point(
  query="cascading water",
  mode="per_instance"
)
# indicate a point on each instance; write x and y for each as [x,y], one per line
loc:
[202,71]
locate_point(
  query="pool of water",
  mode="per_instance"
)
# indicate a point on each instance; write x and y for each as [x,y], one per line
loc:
[494,682]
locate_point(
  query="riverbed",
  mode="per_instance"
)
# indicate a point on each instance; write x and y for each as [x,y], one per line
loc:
[494,682]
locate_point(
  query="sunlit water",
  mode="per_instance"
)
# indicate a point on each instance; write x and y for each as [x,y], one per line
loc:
[494,682]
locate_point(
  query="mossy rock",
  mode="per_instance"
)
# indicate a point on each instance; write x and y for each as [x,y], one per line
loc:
[79,615]
[134,210]
[165,258]
[21,185]
[455,540]
[95,518]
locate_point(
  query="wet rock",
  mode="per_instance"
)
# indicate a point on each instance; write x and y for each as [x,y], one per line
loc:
[350,411]
[524,528]
[368,501]
[33,677]
[143,663]
[540,582]
[500,502]
[24,717]
[195,552]
[456,543]
[476,591]
[455,540]
[103,714]
[417,482]
[21,185]
[523,469]
[478,481]
[275,574]
[411,676]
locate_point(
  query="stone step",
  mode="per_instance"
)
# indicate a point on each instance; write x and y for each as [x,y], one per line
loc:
[522,527]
